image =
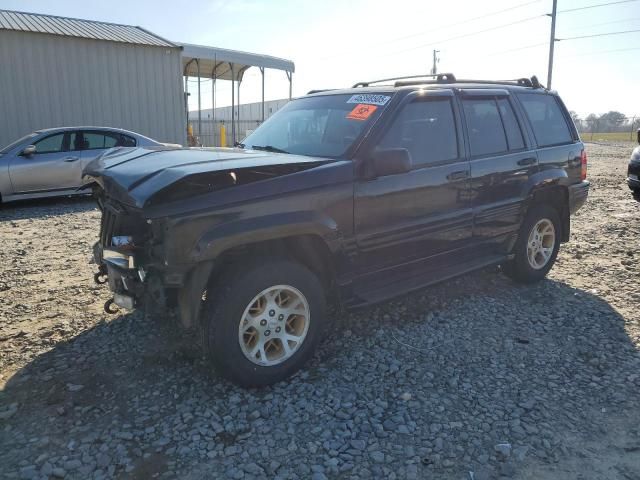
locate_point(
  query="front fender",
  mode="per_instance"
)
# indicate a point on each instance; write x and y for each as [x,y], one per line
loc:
[270,227]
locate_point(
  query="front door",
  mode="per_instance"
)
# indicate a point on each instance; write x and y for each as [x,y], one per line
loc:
[53,167]
[426,211]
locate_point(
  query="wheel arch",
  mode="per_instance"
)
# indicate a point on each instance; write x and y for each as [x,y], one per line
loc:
[308,249]
[556,195]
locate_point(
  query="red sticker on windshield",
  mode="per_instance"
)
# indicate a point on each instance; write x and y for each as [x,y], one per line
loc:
[361,111]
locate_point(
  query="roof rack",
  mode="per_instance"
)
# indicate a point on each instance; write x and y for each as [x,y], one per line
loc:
[320,90]
[440,78]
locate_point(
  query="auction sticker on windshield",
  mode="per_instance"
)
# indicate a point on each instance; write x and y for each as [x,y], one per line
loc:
[369,98]
[361,112]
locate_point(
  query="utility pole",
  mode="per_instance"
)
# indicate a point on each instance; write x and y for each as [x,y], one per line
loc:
[552,42]
[434,69]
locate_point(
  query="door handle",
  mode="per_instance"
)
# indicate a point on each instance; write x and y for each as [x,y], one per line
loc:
[526,161]
[460,175]
[71,159]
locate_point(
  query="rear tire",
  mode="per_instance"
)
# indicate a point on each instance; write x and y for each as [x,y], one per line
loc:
[263,321]
[537,245]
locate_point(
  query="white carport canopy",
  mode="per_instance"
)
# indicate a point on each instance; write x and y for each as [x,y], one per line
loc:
[223,64]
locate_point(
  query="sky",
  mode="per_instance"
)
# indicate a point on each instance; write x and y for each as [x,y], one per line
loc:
[336,43]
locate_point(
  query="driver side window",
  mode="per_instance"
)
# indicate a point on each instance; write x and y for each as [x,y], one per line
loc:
[427,129]
[51,144]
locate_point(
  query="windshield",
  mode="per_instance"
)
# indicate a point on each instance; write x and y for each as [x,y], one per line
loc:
[323,126]
[13,145]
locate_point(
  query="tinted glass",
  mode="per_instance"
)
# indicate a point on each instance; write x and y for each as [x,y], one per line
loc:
[95,140]
[548,123]
[324,126]
[511,126]
[126,141]
[50,144]
[486,134]
[427,129]
[111,141]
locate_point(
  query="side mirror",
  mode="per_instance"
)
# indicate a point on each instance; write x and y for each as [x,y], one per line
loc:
[391,161]
[28,150]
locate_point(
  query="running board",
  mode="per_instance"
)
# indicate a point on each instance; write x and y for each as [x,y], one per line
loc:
[413,277]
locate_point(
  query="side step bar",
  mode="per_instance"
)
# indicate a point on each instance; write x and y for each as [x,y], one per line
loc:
[413,277]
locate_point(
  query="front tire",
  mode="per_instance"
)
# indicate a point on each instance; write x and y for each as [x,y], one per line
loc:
[537,245]
[263,322]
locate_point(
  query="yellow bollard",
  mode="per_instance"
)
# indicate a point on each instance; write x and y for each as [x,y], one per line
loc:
[223,136]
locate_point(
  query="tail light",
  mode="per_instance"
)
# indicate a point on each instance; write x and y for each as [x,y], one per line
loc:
[583,163]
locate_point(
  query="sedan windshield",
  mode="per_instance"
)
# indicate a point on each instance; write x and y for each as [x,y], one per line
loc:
[322,126]
[13,145]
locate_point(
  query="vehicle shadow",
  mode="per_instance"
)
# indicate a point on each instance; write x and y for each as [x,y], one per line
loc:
[44,207]
[482,360]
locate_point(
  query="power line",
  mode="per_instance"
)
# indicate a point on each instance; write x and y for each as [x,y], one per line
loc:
[450,25]
[597,35]
[587,54]
[624,20]
[463,22]
[595,6]
[465,35]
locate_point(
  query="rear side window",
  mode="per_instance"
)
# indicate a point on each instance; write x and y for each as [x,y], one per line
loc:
[511,125]
[427,129]
[548,123]
[486,134]
[96,141]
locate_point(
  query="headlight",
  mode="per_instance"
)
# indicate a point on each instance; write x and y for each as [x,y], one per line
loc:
[122,241]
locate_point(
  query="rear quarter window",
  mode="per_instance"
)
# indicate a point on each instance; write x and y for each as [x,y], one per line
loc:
[547,120]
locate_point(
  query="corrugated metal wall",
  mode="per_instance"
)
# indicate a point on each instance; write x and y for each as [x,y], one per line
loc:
[52,81]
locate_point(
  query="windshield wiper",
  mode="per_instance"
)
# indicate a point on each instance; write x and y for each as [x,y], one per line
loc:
[268,148]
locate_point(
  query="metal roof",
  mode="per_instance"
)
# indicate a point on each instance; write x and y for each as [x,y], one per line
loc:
[75,27]
[219,62]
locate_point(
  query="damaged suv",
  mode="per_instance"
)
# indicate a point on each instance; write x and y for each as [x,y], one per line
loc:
[343,197]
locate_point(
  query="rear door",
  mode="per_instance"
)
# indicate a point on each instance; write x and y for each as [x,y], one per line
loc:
[559,146]
[502,161]
[53,167]
[96,142]
[425,211]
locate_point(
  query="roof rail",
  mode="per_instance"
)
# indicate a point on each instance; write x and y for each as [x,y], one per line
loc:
[450,78]
[440,78]
[319,90]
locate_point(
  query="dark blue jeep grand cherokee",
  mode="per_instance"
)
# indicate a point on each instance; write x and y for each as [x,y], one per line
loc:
[346,196]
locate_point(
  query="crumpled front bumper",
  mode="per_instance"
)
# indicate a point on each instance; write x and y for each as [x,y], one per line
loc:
[124,276]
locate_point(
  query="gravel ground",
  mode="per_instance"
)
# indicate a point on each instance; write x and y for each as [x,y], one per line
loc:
[476,378]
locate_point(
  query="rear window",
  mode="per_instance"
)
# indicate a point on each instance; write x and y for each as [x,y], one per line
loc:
[547,120]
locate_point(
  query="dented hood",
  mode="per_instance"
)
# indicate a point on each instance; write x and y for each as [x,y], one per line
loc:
[136,175]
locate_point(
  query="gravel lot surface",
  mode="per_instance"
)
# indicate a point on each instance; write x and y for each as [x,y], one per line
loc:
[476,378]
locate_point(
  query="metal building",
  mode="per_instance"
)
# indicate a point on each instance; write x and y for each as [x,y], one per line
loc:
[58,71]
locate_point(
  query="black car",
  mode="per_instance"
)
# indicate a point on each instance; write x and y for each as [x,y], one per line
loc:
[346,197]
[633,172]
